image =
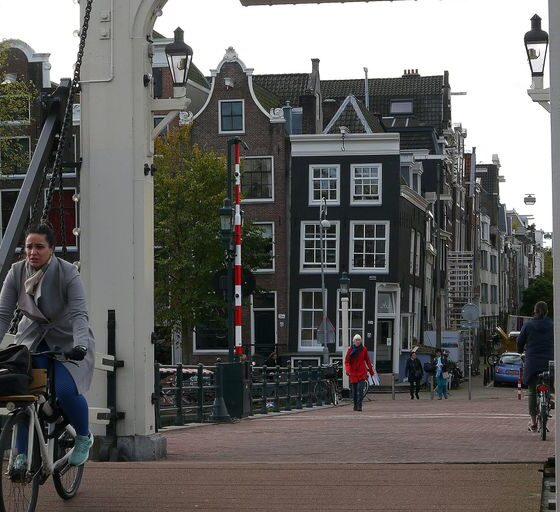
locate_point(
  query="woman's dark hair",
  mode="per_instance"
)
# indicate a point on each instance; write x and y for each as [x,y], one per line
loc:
[42,229]
[541,309]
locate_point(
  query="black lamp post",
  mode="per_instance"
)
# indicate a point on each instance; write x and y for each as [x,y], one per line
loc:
[226,232]
[179,58]
[344,283]
[536,44]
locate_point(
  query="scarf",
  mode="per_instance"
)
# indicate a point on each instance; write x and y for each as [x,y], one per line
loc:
[356,350]
[34,277]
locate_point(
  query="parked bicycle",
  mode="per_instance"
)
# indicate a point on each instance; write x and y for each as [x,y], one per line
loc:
[50,441]
[328,388]
[543,402]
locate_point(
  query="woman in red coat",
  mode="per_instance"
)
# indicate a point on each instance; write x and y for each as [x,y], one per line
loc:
[357,364]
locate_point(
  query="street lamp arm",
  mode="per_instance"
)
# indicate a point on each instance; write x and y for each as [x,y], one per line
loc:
[540,96]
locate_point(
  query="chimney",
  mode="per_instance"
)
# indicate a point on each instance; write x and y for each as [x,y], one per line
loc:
[410,72]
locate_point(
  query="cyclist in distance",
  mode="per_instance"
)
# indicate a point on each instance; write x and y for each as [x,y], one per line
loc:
[356,365]
[50,294]
[537,340]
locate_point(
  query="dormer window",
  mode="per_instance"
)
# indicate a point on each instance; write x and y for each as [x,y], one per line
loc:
[401,107]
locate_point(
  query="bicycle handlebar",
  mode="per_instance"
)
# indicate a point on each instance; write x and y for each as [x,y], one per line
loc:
[77,353]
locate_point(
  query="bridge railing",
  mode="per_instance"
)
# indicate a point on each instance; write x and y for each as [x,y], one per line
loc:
[186,393]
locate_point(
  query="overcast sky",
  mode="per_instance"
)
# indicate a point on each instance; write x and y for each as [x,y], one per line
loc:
[480,43]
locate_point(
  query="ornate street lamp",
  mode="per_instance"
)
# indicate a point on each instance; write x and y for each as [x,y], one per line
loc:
[226,215]
[530,199]
[179,58]
[344,283]
[536,44]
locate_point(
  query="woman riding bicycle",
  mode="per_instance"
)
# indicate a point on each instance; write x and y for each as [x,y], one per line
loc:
[50,294]
[537,340]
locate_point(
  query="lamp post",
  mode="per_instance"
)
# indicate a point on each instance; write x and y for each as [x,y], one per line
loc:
[344,298]
[323,224]
[226,231]
[536,42]
[179,57]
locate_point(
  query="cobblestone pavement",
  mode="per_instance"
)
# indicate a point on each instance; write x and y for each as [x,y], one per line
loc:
[401,455]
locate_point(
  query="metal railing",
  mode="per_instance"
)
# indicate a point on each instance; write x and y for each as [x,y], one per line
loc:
[186,393]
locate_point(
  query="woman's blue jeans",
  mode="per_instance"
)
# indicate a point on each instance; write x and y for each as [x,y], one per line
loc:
[358,393]
[441,386]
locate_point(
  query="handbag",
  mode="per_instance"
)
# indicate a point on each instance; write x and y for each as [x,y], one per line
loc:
[429,367]
[370,379]
[15,370]
[445,375]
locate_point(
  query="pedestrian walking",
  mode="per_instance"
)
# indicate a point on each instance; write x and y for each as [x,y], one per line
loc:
[414,372]
[537,340]
[357,364]
[442,375]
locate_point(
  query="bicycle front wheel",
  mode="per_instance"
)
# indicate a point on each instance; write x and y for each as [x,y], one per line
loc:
[66,478]
[19,487]
[365,389]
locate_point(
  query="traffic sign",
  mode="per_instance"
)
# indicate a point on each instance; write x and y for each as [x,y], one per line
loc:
[470,312]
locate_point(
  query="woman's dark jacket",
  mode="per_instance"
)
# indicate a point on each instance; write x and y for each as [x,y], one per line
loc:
[537,340]
[413,369]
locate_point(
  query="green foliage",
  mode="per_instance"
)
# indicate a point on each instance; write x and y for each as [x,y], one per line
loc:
[539,289]
[190,185]
[16,97]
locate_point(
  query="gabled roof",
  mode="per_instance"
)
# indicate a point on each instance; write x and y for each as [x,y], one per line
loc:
[353,115]
[267,99]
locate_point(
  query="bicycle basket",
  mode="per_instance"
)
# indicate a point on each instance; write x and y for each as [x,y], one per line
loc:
[330,372]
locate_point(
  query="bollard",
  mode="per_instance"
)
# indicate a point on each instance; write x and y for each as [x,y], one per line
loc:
[200,393]
[179,419]
[519,383]
[276,389]
[264,410]
[299,404]
[219,409]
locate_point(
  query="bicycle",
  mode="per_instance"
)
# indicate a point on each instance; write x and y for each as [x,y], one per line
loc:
[50,441]
[329,386]
[543,402]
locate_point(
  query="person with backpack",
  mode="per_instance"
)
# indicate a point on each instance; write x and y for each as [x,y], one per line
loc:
[357,364]
[50,294]
[414,372]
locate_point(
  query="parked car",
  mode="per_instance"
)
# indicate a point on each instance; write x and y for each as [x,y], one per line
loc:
[507,368]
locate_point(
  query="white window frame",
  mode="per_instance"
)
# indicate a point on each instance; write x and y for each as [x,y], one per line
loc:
[71,248]
[407,343]
[305,358]
[317,202]
[317,269]
[370,270]
[366,202]
[361,292]
[264,199]
[402,101]
[197,350]
[412,247]
[273,255]
[315,342]
[228,132]
[19,175]
[418,254]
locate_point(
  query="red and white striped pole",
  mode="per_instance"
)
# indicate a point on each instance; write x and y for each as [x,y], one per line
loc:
[519,383]
[237,241]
